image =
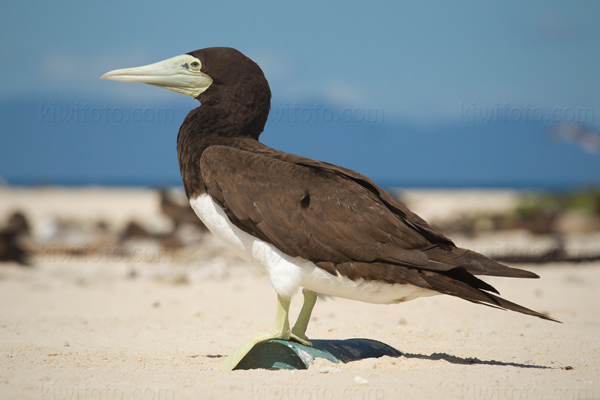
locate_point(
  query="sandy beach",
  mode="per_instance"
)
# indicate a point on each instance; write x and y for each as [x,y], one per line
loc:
[154,324]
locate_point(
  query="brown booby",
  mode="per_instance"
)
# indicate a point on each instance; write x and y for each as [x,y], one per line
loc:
[308,224]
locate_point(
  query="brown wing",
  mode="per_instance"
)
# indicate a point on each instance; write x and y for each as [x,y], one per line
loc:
[326,213]
[309,212]
[344,223]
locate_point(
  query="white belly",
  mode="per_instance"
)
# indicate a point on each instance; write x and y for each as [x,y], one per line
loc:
[288,274]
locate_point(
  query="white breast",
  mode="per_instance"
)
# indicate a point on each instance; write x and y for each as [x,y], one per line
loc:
[288,274]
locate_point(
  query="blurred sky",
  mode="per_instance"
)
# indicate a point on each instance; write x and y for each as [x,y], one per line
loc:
[421,62]
[415,59]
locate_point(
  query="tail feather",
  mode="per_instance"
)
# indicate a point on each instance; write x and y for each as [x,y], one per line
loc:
[444,259]
[455,284]
[493,268]
[454,281]
[509,305]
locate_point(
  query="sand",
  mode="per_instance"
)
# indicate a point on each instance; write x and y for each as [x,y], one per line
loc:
[107,328]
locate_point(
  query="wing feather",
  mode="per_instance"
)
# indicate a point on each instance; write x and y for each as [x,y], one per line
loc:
[326,213]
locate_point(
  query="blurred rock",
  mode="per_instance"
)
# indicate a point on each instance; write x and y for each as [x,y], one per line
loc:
[178,209]
[135,230]
[11,247]
[540,222]
[135,233]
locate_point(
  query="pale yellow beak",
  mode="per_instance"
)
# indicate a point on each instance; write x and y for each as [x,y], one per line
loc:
[181,74]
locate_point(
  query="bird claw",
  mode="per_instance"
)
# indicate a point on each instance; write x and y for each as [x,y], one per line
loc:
[242,350]
[300,338]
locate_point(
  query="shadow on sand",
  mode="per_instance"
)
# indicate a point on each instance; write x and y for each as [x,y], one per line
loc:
[471,360]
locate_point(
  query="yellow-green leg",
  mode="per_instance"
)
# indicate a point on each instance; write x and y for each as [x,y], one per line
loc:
[280,331]
[299,329]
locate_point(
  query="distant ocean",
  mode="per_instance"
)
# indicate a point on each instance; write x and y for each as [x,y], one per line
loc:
[72,142]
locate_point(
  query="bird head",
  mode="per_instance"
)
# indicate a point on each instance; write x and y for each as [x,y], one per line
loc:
[194,73]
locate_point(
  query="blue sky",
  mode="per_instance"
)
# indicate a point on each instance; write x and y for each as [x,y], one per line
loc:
[427,63]
[418,60]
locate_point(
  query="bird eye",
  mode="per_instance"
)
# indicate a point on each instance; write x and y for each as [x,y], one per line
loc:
[195,65]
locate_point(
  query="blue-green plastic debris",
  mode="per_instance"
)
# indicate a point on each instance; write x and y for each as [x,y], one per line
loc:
[281,354]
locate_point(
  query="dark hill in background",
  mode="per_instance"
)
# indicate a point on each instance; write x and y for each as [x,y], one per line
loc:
[73,142]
